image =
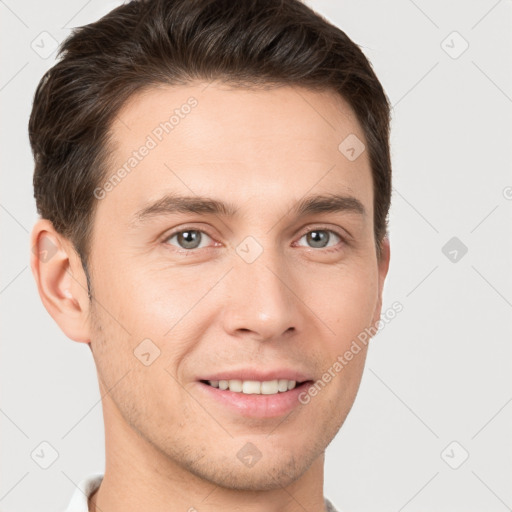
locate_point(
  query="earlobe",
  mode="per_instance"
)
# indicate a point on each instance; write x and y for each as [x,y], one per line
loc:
[60,280]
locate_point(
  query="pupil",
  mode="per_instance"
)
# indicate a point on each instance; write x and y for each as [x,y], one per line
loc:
[316,238]
[189,239]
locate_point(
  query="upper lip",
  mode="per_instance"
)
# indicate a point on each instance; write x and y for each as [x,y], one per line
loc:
[259,375]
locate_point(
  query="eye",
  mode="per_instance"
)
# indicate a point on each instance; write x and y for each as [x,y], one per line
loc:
[321,238]
[188,239]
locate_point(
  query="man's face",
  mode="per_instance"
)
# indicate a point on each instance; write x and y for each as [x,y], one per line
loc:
[245,296]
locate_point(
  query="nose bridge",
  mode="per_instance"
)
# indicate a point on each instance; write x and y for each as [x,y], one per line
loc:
[261,296]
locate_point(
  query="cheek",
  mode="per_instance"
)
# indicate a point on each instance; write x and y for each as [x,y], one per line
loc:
[346,302]
[143,303]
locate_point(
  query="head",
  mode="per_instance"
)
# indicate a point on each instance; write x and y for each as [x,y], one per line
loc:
[213,180]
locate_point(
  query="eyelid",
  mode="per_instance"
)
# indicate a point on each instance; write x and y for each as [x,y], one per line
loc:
[342,233]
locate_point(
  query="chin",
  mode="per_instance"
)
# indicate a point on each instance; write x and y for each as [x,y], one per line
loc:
[264,475]
[253,479]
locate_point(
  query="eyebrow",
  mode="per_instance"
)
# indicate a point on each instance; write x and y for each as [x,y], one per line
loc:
[172,204]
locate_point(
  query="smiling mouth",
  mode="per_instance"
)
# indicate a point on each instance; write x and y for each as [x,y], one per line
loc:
[254,387]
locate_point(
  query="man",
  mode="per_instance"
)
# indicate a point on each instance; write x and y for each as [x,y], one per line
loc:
[213,179]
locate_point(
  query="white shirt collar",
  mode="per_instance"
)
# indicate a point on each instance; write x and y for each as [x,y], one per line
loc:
[79,499]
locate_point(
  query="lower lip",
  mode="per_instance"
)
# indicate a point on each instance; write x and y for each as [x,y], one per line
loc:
[256,406]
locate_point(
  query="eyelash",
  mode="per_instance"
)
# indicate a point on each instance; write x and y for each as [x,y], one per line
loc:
[320,228]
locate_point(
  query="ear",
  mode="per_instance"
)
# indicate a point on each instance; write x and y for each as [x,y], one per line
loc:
[60,280]
[383,267]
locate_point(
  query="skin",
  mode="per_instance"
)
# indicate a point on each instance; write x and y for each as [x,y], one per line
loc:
[297,305]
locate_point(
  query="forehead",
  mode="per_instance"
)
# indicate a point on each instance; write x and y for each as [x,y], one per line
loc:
[253,146]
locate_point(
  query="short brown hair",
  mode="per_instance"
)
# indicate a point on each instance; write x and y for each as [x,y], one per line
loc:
[144,43]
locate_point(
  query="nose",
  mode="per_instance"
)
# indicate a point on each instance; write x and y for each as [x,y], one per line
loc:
[262,299]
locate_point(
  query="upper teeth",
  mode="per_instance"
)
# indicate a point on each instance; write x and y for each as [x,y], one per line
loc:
[268,387]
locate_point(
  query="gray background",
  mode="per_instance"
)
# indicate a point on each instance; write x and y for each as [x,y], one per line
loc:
[438,373]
